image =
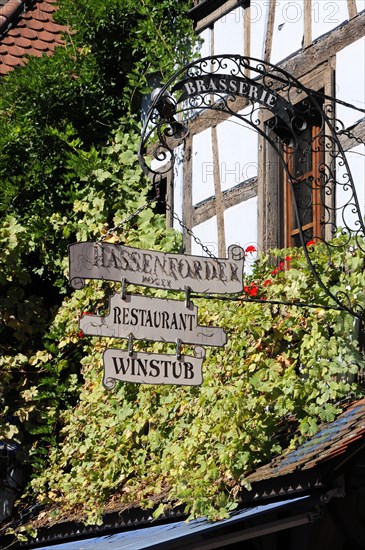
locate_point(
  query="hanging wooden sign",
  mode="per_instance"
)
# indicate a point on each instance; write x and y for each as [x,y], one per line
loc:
[156,319]
[113,262]
[150,368]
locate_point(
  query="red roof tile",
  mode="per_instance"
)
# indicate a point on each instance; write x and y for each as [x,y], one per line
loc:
[8,41]
[23,43]
[40,45]
[18,51]
[46,36]
[35,24]
[28,33]
[27,29]
[10,60]
[47,7]
[14,32]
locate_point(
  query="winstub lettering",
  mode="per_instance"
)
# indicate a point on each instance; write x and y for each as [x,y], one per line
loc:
[147,368]
[112,262]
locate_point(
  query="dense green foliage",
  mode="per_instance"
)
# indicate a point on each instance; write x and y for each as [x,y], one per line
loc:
[69,131]
[56,114]
[68,142]
[195,446]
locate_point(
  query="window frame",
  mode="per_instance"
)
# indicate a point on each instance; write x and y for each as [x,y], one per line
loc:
[271,231]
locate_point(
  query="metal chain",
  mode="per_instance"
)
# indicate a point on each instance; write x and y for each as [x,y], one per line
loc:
[190,233]
[127,219]
[174,215]
[351,136]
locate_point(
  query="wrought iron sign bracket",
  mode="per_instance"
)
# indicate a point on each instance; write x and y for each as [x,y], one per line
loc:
[188,297]
[299,131]
[130,344]
[123,289]
[178,348]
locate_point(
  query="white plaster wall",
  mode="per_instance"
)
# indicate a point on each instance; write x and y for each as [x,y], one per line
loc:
[240,223]
[229,33]
[202,169]
[327,15]
[204,49]
[356,160]
[350,81]
[207,233]
[360,5]
[288,29]
[178,184]
[238,154]
[257,18]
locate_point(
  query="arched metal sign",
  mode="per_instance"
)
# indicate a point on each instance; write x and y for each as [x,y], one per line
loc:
[302,130]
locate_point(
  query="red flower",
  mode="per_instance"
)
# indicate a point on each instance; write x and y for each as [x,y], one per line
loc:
[288,258]
[267,282]
[86,313]
[251,249]
[251,290]
[274,271]
[80,334]
[310,243]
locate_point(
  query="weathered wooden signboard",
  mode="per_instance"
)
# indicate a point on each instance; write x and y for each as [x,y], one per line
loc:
[151,368]
[146,318]
[156,319]
[113,262]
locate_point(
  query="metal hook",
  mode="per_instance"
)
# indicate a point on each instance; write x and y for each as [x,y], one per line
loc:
[130,344]
[123,289]
[178,348]
[187,297]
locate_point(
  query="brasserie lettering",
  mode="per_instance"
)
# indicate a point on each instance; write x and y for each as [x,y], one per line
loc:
[228,84]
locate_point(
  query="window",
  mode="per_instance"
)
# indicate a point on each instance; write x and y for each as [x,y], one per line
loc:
[304,162]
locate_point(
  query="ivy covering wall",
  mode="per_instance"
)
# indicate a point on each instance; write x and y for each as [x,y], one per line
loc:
[69,134]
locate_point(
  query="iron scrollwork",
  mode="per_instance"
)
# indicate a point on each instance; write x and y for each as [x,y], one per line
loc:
[300,127]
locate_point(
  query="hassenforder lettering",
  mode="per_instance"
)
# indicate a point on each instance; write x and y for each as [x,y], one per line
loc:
[157,270]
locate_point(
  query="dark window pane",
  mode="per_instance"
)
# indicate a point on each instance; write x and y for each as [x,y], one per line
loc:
[302,154]
[303,198]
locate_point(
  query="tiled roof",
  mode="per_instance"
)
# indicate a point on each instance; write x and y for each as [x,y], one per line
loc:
[330,442]
[27,28]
